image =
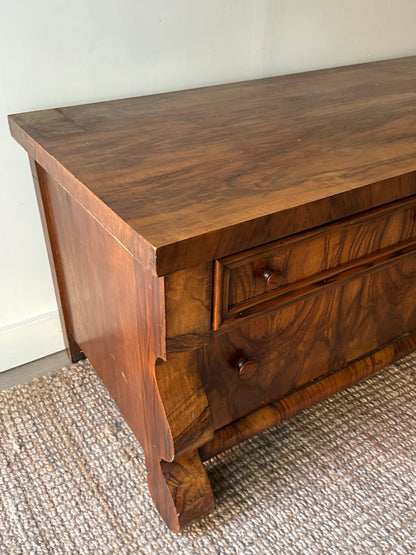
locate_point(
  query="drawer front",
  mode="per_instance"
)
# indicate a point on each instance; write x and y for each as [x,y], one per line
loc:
[254,276]
[271,355]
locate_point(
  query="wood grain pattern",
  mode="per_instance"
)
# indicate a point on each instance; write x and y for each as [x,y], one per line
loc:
[189,489]
[273,413]
[188,301]
[110,299]
[170,166]
[242,276]
[55,261]
[181,490]
[116,311]
[298,342]
[185,401]
[308,180]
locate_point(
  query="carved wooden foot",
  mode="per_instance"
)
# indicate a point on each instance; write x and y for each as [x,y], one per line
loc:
[181,490]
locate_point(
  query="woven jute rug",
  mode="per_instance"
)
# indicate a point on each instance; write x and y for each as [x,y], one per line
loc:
[337,478]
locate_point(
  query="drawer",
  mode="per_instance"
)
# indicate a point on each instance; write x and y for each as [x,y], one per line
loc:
[253,277]
[275,353]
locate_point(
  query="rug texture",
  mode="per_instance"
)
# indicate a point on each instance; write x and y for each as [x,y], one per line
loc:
[337,478]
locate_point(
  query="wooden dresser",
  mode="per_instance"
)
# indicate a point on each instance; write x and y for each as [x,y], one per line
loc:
[230,255]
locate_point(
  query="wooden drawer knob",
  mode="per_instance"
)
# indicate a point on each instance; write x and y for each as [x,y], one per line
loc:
[246,368]
[273,277]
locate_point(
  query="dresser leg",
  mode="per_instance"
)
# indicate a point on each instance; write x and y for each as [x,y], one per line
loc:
[74,351]
[181,490]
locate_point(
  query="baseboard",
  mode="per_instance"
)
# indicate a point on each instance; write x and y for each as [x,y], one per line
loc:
[29,340]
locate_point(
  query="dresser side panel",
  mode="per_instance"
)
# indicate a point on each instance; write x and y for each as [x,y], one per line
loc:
[117,312]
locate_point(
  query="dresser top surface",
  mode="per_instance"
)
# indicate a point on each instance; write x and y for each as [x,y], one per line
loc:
[183,165]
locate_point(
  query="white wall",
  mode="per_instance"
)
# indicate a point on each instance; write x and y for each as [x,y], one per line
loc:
[60,52]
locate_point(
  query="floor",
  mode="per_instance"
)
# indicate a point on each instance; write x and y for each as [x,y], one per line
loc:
[27,372]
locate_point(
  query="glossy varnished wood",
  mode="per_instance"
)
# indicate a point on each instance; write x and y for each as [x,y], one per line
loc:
[286,153]
[255,274]
[303,398]
[115,309]
[332,325]
[55,260]
[228,256]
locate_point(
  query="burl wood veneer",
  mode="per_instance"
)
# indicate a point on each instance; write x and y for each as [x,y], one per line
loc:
[228,256]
